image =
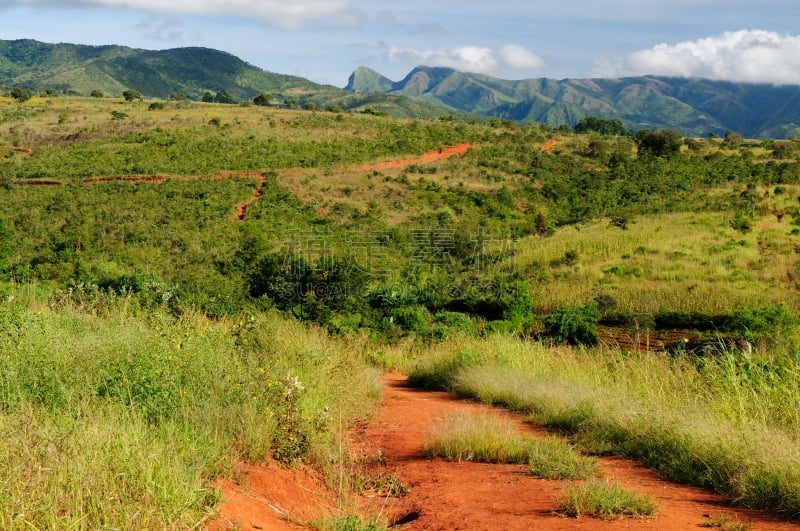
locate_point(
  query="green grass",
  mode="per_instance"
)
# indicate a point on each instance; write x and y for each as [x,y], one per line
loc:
[117,421]
[491,439]
[726,423]
[601,499]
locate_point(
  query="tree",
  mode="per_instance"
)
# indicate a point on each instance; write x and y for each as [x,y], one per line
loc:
[208,97]
[132,95]
[263,99]
[177,97]
[97,94]
[663,143]
[612,127]
[224,97]
[21,94]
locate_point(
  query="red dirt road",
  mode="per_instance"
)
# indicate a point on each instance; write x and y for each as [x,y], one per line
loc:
[461,496]
[426,158]
[431,156]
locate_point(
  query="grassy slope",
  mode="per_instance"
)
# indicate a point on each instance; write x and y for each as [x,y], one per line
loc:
[678,252]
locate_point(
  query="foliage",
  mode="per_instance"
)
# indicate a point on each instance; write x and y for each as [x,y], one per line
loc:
[21,94]
[574,325]
[663,143]
[158,399]
[132,95]
[263,99]
[600,125]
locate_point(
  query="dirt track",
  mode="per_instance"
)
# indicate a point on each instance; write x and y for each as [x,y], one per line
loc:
[431,156]
[461,496]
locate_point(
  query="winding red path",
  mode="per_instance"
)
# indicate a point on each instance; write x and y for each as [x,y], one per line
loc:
[449,496]
[241,209]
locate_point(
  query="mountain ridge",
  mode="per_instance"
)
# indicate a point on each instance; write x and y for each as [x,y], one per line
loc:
[689,105]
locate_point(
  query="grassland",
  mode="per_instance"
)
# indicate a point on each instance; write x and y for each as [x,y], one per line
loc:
[149,338]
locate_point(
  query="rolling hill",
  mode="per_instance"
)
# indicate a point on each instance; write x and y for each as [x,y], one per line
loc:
[690,106]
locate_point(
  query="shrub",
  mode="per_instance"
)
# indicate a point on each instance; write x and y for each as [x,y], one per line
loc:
[575,325]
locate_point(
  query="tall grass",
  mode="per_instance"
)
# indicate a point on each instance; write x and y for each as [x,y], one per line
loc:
[727,423]
[116,421]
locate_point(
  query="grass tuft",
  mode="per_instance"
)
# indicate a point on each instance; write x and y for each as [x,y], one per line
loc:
[493,439]
[601,499]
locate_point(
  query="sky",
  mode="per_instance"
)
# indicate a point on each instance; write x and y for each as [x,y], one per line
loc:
[326,40]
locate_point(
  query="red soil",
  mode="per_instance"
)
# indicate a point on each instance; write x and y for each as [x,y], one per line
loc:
[548,148]
[431,156]
[129,179]
[241,209]
[19,149]
[466,495]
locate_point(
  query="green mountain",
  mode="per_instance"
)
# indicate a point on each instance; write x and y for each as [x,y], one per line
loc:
[691,106]
[79,69]
[112,69]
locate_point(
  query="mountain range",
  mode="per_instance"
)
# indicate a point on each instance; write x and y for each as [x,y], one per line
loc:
[695,107]
[690,106]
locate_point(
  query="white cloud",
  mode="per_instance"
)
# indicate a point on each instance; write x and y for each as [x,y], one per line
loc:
[467,58]
[475,59]
[748,55]
[287,14]
[519,57]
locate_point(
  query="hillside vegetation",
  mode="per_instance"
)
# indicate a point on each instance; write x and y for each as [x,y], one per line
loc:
[186,284]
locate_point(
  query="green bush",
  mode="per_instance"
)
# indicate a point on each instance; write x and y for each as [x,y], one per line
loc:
[575,325]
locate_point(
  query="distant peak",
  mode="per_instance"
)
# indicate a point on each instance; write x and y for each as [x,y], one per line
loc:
[365,79]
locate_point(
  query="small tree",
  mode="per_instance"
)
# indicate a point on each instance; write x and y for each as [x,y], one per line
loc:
[224,97]
[97,94]
[263,99]
[573,325]
[663,143]
[601,125]
[177,97]
[132,95]
[21,94]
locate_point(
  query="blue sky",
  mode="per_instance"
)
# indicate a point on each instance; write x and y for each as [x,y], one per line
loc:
[325,40]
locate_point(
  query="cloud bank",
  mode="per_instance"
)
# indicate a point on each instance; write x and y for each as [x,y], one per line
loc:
[474,59]
[748,55]
[289,14]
